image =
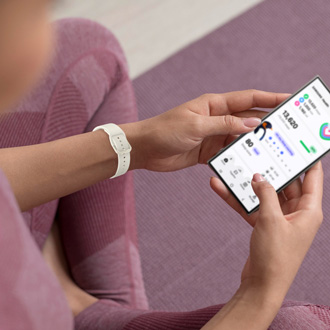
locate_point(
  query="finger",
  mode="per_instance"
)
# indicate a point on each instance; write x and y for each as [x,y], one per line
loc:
[244,100]
[218,187]
[269,202]
[313,185]
[222,125]
[251,113]
[294,190]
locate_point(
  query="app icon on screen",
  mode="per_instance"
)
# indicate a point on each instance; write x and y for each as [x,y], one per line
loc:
[263,127]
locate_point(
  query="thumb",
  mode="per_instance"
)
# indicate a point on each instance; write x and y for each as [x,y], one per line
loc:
[222,125]
[269,202]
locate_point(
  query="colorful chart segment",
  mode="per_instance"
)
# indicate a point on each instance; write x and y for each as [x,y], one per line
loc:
[325,132]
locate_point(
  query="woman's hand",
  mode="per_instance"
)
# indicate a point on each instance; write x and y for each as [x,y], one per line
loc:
[280,241]
[193,132]
[284,228]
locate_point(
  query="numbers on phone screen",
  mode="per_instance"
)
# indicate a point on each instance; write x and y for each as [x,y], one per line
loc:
[249,143]
[290,120]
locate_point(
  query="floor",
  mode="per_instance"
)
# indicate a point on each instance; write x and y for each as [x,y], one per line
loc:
[152,30]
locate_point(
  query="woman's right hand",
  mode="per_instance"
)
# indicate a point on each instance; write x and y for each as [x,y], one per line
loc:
[284,229]
[279,242]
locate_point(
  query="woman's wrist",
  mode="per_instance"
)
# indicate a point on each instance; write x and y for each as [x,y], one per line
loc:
[135,134]
[261,295]
[256,306]
[252,307]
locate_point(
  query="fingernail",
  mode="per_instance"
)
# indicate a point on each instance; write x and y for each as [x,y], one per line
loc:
[251,122]
[258,178]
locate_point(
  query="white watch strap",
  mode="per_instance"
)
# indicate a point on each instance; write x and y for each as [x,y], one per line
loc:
[120,145]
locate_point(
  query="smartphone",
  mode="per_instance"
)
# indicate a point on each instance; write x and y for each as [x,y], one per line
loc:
[289,140]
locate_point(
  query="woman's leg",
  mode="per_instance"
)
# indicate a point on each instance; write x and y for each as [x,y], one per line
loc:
[97,224]
[31,297]
[87,84]
[103,316]
[53,253]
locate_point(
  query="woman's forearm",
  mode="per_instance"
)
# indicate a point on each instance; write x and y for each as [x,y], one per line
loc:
[44,172]
[171,141]
[250,308]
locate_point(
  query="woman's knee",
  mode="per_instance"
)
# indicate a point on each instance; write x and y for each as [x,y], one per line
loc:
[76,37]
[87,66]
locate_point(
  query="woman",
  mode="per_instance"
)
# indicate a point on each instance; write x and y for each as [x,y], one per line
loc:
[48,151]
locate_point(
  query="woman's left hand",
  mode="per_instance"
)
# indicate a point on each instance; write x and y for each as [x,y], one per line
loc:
[195,131]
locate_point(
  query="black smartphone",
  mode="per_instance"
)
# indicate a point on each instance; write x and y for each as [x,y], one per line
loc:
[289,140]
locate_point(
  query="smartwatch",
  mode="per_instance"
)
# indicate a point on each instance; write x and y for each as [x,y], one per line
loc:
[120,145]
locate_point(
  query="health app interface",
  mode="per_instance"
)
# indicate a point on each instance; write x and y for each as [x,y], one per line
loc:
[287,141]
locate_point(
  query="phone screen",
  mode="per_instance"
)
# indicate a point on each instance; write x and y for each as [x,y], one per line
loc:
[289,140]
